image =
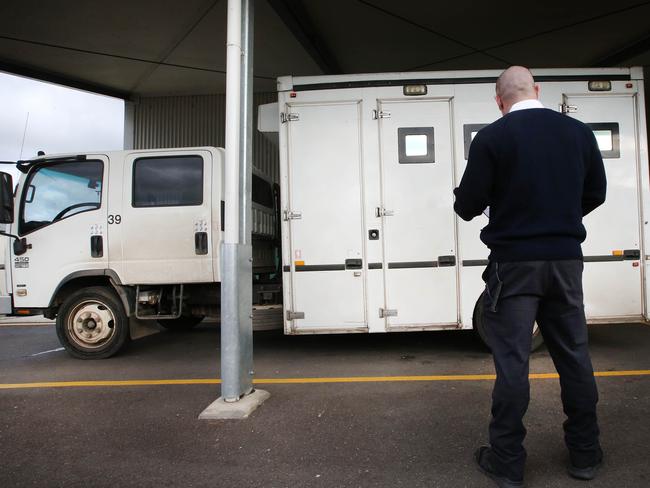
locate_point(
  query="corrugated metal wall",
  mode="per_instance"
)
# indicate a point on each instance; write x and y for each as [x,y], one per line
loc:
[198,120]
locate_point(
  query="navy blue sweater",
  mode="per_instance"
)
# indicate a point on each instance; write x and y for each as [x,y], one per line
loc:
[539,172]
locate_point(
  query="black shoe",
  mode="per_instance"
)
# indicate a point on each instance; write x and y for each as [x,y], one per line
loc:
[588,473]
[487,469]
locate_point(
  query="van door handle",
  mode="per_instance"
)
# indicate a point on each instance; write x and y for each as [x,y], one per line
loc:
[201,243]
[96,246]
[353,264]
[446,261]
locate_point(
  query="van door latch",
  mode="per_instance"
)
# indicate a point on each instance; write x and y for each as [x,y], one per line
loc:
[295,315]
[288,117]
[568,109]
[380,114]
[387,312]
[289,215]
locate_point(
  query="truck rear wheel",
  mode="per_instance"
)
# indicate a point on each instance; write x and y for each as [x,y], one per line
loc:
[479,327]
[92,324]
[181,323]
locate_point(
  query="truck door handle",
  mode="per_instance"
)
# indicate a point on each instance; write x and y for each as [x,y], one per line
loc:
[201,243]
[96,246]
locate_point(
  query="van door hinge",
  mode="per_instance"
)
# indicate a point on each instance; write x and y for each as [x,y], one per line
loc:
[568,109]
[387,312]
[289,117]
[382,212]
[288,215]
[295,315]
[380,114]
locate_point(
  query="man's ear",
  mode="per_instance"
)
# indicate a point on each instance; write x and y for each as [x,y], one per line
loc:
[536,88]
[497,99]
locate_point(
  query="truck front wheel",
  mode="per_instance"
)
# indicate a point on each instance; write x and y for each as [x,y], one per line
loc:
[92,324]
[479,327]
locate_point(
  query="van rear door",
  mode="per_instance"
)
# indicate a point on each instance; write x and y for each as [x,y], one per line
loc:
[612,251]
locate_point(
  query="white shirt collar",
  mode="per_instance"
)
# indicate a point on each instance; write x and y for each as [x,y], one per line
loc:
[526,104]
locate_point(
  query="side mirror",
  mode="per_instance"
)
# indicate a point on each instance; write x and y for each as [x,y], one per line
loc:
[6,199]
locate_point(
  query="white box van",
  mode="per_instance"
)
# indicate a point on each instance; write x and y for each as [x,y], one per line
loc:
[368,164]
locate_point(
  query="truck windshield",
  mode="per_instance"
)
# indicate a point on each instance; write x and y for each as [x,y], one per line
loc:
[59,191]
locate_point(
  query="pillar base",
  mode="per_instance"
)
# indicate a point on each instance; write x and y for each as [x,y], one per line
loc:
[241,409]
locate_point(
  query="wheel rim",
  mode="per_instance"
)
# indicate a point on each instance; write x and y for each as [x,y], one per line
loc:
[91,324]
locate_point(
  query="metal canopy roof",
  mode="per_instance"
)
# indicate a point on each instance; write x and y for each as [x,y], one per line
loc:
[170,47]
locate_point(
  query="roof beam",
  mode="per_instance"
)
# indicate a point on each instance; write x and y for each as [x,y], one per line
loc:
[630,51]
[59,79]
[295,17]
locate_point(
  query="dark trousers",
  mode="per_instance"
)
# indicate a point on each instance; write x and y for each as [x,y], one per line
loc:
[550,292]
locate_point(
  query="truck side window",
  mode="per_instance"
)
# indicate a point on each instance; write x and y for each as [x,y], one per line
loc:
[168,181]
[57,191]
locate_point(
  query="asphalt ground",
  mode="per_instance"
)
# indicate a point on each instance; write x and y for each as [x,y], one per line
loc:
[415,424]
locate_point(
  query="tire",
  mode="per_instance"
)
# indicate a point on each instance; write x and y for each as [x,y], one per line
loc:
[186,322]
[91,323]
[479,327]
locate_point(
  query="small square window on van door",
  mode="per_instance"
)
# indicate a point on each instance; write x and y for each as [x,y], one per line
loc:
[608,138]
[469,132]
[415,145]
[168,181]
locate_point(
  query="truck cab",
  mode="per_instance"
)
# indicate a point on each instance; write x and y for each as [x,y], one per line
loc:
[102,238]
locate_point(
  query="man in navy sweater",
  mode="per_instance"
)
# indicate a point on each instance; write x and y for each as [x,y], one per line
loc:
[539,172]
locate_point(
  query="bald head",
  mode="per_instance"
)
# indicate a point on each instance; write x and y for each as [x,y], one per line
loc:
[514,85]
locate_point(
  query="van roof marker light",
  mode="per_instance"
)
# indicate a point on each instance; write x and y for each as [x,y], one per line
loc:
[600,86]
[415,90]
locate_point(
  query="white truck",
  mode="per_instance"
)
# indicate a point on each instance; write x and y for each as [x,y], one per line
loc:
[370,241]
[102,238]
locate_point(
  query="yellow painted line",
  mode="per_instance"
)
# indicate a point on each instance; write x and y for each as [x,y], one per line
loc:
[294,381]
[69,384]
[638,372]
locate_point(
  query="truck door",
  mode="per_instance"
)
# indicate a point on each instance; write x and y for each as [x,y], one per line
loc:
[62,216]
[323,216]
[166,218]
[419,265]
[612,275]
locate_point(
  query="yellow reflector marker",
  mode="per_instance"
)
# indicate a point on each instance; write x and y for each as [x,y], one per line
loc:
[617,252]
[299,263]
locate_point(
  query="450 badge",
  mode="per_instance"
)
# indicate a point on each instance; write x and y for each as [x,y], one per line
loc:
[21,262]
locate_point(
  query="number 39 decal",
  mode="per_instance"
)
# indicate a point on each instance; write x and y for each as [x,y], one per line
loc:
[114,219]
